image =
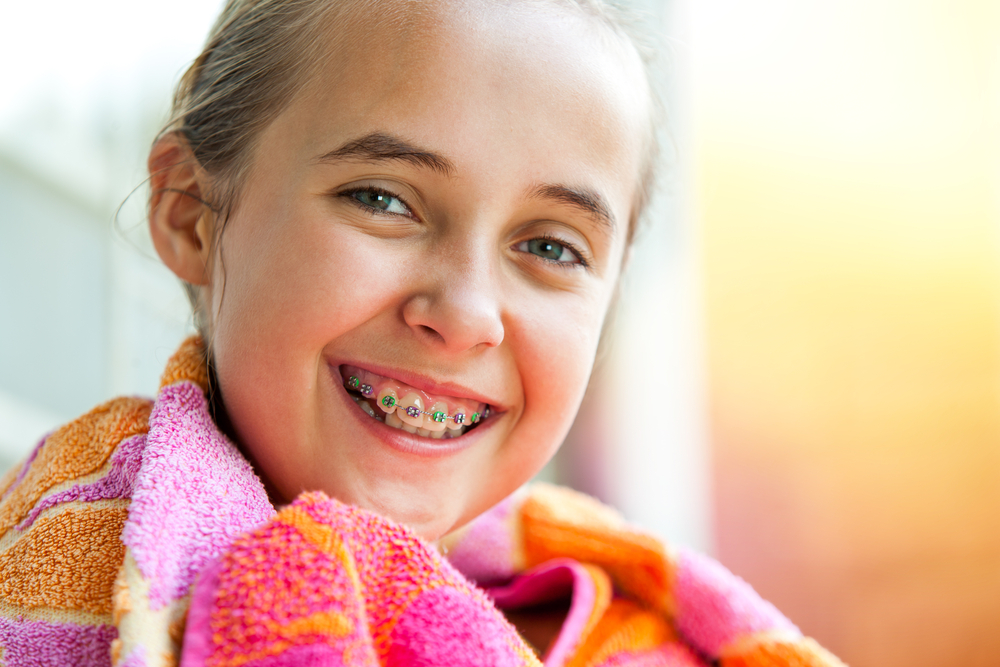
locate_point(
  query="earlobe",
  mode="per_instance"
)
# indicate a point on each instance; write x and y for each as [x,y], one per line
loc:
[180,221]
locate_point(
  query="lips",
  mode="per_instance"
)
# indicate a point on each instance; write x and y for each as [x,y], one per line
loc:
[402,406]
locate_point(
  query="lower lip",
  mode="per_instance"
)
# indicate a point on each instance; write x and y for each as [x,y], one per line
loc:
[410,443]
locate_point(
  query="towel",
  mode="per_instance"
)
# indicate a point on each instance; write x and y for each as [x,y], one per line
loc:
[138,535]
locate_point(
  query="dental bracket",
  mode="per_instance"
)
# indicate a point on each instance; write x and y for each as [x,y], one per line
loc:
[413,411]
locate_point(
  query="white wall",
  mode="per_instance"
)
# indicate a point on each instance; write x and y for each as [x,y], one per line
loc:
[85,313]
[86,316]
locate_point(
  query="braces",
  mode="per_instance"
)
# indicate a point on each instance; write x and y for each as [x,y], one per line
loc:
[413,411]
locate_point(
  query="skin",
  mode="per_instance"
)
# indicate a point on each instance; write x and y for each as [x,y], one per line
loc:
[444,289]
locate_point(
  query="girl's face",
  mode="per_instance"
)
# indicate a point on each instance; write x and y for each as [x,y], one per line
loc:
[441,214]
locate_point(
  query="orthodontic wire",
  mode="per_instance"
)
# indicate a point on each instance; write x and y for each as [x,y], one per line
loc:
[411,410]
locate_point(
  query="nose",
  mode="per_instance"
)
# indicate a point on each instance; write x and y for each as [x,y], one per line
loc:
[457,308]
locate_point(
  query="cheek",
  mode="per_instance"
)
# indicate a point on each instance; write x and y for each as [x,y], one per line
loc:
[555,367]
[290,289]
[556,370]
[555,341]
[295,288]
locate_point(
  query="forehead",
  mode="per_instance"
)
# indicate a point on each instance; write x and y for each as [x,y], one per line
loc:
[523,87]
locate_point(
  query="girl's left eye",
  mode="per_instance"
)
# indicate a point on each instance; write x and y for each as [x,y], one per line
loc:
[379,200]
[550,250]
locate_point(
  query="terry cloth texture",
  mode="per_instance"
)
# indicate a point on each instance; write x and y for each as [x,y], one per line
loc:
[139,536]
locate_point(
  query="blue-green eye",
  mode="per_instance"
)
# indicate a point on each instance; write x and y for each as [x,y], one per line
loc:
[383,202]
[551,250]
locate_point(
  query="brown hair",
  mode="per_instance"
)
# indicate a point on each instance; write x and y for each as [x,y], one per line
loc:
[257,56]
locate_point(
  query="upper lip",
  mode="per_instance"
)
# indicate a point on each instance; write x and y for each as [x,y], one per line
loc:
[425,384]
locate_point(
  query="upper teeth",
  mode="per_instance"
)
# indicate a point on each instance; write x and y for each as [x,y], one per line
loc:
[409,411]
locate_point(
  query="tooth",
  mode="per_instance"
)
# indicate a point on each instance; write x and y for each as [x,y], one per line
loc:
[423,432]
[459,419]
[409,428]
[367,408]
[388,400]
[411,409]
[437,435]
[393,420]
[437,420]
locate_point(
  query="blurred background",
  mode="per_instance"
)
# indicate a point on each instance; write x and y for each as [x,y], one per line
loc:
[814,308]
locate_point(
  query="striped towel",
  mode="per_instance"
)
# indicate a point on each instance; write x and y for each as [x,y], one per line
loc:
[138,535]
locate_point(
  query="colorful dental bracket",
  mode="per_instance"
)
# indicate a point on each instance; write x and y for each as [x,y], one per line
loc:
[413,411]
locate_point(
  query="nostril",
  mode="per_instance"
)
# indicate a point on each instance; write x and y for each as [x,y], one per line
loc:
[454,321]
[431,332]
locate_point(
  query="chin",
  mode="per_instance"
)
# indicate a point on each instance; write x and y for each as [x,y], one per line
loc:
[423,511]
[430,526]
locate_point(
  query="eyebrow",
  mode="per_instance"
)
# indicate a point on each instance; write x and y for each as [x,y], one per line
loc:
[382,147]
[587,201]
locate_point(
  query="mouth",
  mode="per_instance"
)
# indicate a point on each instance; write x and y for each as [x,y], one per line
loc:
[403,407]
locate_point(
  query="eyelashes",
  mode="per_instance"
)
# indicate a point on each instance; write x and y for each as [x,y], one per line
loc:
[552,250]
[378,201]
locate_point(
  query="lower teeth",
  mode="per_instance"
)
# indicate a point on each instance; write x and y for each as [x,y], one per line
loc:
[369,409]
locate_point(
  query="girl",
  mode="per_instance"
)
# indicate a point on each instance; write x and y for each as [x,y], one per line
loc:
[401,225]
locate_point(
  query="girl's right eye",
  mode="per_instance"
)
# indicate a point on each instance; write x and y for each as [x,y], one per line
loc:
[379,201]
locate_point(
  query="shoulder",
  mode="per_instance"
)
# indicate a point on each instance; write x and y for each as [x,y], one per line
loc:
[712,611]
[62,512]
[71,453]
[70,462]
[544,521]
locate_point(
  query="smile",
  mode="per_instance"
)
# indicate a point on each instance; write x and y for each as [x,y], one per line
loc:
[400,406]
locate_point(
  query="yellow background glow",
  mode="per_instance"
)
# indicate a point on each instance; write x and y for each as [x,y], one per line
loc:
[848,179]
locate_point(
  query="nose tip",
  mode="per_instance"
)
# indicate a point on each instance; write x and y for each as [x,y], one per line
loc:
[455,319]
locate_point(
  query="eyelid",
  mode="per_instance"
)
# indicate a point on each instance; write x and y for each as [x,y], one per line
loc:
[583,260]
[379,190]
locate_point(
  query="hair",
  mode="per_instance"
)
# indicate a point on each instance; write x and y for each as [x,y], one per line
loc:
[259,53]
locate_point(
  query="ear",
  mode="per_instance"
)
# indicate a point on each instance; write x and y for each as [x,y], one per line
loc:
[180,221]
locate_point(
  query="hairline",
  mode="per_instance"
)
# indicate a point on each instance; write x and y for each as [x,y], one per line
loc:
[325,39]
